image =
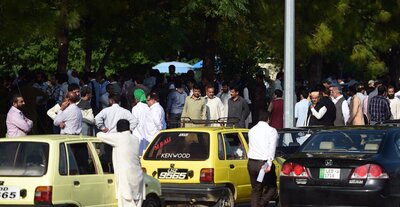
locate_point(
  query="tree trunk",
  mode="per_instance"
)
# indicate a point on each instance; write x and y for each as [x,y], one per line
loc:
[315,71]
[394,65]
[210,48]
[62,39]
[107,55]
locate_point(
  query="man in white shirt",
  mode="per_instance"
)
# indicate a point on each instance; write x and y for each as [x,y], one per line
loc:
[301,109]
[106,120]
[156,122]
[140,112]
[342,107]
[69,119]
[127,169]
[214,105]
[224,95]
[394,103]
[262,145]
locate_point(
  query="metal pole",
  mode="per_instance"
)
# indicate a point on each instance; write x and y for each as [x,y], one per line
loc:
[289,72]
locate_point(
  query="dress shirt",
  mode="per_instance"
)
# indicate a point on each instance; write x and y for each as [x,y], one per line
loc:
[345,108]
[17,124]
[300,112]
[395,108]
[108,117]
[224,98]
[215,109]
[140,113]
[72,118]
[52,113]
[175,102]
[156,122]
[379,108]
[262,142]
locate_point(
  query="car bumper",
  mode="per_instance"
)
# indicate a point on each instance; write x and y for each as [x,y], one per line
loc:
[192,192]
[373,193]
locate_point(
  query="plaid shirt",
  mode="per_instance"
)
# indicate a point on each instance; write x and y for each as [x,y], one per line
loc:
[379,108]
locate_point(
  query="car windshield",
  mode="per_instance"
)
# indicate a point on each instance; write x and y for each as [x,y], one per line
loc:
[344,141]
[179,146]
[23,158]
[292,138]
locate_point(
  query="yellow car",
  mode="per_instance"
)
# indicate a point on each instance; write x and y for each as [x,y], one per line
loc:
[61,170]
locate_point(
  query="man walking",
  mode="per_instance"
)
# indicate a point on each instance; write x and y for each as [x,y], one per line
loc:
[126,162]
[17,124]
[69,119]
[262,145]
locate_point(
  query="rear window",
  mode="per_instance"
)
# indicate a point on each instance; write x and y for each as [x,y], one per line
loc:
[348,141]
[24,159]
[179,146]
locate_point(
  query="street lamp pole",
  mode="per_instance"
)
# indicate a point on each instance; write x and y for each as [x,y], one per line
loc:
[289,72]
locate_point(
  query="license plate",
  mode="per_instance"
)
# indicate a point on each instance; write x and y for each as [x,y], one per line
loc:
[329,173]
[9,193]
[173,174]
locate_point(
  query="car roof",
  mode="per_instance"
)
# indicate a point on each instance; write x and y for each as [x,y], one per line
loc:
[206,129]
[49,138]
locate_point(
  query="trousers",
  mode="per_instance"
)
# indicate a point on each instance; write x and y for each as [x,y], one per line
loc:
[262,192]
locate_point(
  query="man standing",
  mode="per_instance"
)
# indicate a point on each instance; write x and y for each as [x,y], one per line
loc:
[301,109]
[195,106]
[70,117]
[107,119]
[379,107]
[126,162]
[321,111]
[140,112]
[394,103]
[175,103]
[156,121]
[87,112]
[214,105]
[237,107]
[342,107]
[356,113]
[262,145]
[17,124]
[224,95]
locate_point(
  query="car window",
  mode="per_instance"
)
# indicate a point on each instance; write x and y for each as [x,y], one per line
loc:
[179,146]
[398,143]
[234,147]
[221,149]
[104,151]
[292,138]
[62,169]
[348,141]
[80,159]
[23,158]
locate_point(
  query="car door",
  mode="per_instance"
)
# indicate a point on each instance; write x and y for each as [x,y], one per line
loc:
[236,160]
[82,176]
[104,153]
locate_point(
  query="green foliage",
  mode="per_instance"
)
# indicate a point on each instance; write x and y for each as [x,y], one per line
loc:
[321,39]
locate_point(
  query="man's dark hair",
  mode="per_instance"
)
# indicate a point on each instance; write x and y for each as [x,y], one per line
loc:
[152,96]
[123,125]
[304,93]
[263,115]
[196,86]
[325,91]
[224,83]
[381,89]
[85,90]
[278,93]
[115,98]
[235,88]
[15,98]
[352,90]
[73,86]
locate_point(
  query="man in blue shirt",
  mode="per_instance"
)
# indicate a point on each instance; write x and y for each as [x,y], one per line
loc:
[175,103]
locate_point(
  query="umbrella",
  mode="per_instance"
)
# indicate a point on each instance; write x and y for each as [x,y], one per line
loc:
[179,67]
[198,64]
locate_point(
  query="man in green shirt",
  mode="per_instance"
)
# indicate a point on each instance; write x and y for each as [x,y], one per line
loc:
[195,106]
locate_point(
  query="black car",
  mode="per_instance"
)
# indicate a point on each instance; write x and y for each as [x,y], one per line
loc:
[344,167]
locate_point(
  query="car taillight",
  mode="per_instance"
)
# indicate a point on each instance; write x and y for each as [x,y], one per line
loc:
[43,194]
[207,175]
[369,171]
[293,170]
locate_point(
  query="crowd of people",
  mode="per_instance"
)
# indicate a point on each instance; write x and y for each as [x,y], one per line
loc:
[69,103]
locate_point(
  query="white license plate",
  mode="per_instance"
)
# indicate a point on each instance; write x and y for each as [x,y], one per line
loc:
[9,193]
[329,173]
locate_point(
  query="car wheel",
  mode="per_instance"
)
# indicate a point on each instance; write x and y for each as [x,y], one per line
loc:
[152,201]
[226,199]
